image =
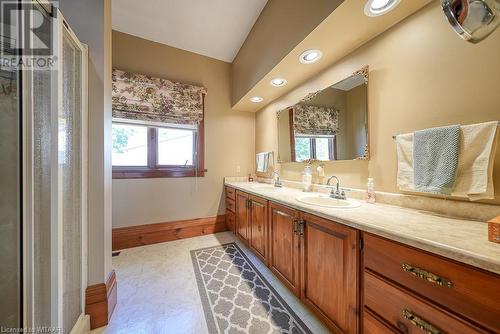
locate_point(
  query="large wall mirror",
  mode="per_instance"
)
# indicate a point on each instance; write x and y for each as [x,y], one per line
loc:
[331,124]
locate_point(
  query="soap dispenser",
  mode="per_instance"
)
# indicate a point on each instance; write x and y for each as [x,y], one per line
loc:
[370,191]
[307,178]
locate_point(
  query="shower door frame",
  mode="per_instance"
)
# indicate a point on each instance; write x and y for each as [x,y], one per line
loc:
[56,221]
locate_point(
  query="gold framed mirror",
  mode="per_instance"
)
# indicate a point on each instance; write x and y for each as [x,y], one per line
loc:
[327,125]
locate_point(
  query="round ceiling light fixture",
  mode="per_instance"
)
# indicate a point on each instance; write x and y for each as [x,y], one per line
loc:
[380,7]
[278,82]
[310,56]
[256,99]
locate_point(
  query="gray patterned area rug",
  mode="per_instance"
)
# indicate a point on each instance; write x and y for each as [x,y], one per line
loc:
[236,297]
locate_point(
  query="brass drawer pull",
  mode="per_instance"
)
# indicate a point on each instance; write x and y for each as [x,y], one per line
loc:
[420,323]
[298,226]
[423,274]
[295,225]
[302,224]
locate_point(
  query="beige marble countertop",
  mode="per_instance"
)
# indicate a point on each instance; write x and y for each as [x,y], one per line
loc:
[462,240]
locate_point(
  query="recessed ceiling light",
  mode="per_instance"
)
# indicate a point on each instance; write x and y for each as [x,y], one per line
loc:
[278,82]
[380,7]
[256,99]
[310,56]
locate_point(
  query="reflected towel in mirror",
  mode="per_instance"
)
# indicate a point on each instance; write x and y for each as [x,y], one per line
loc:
[263,161]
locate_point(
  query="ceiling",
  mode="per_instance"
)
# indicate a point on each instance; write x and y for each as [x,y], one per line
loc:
[343,31]
[215,28]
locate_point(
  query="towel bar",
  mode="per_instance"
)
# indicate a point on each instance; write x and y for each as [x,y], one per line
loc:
[498,124]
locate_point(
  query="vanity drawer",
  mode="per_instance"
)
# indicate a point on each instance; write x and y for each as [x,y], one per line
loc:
[460,288]
[230,220]
[371,325]
[409,313]
[231,193]
[230,205]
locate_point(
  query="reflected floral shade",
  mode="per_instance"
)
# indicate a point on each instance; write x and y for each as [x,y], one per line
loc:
[144,98]
[315,121]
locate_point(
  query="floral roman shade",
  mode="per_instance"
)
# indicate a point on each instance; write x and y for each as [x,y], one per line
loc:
[311,120]
[143,98]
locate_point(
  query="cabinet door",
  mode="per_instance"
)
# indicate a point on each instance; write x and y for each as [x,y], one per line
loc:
[284,246]
[258,226]
[242,215]
[329,261]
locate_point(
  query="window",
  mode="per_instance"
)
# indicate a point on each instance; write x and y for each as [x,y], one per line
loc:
[176,147]
[316,148]
[158,127]
[143,151]
[130,145]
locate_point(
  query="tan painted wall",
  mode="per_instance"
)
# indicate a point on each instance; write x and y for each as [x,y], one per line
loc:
[421,75]
[284,144]
[229,138]
[279,28]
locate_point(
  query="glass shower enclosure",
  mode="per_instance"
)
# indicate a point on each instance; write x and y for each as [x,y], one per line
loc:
[43,203]
[10,189]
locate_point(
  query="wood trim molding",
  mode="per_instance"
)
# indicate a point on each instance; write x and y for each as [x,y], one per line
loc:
[100,301]
[140,235]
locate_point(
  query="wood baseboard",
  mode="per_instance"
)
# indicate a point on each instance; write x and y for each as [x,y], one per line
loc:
[100,301]
[140,235]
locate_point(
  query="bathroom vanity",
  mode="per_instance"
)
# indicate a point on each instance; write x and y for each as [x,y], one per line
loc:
[373,268]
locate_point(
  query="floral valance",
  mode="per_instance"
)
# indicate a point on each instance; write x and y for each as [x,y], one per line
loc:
[140,97]
[315,121]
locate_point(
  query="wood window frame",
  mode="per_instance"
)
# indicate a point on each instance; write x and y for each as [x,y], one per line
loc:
[153,170]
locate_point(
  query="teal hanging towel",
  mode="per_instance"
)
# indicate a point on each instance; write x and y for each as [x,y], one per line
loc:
[435,159]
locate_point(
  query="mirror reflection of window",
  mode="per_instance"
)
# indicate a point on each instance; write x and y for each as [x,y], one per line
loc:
[316,148]
[331,124]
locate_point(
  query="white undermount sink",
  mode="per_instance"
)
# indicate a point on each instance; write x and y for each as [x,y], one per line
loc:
[326,201]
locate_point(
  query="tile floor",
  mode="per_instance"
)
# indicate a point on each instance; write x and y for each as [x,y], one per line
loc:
[158,293]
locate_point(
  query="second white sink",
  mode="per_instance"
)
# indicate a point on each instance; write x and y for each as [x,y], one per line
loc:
[326,201]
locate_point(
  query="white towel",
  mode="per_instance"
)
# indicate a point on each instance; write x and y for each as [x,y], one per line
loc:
[475,163]
[476,159]
[404,145]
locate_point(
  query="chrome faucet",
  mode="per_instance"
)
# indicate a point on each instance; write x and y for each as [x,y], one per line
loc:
[277,180]
[336,192]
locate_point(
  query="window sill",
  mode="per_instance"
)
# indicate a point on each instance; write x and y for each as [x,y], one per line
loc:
[138,173]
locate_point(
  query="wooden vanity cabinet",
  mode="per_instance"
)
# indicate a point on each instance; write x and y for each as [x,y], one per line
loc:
[284,252]
[231,208]
[251,222]
[329,272]
[356,282]
[448,296]
[257,225]
[242,215]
